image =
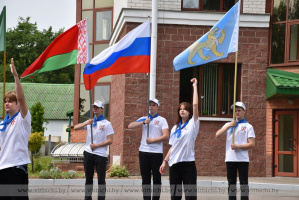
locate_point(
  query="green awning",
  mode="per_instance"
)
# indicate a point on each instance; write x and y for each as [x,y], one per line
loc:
[281,84]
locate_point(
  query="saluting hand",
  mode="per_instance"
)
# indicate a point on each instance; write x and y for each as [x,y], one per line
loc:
[13,68]
[194,81]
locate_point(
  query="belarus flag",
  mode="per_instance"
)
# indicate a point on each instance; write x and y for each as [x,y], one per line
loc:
[70,47]
[130,55]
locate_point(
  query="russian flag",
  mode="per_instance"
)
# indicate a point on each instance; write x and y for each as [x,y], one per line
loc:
[130,55]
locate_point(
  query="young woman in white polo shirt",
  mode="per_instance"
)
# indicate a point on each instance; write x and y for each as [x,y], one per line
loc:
[180,157]
[15,130]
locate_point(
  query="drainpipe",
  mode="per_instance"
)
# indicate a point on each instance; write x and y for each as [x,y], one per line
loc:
[68,129]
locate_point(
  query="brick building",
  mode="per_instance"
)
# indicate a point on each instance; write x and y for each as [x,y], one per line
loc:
[268,94]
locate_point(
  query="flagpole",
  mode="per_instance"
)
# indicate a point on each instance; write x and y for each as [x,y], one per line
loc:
[90,100]
[4,81]
[235,79]
[153,63]
[148,98]
[153,50]
[235,91]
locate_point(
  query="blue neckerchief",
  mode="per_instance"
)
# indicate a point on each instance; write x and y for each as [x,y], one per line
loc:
[152,117]
[149,116]
[99,118]
[7,120]
[178,131]
[241,121]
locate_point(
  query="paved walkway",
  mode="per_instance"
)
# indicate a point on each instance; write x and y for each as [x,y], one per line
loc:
[208,188]
[284,183]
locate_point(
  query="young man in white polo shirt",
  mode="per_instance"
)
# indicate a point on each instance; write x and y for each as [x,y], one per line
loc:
[151,149]
[15,130]
[236,157]
[95,156]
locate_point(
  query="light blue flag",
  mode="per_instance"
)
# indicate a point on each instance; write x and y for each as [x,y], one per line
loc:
[221,40]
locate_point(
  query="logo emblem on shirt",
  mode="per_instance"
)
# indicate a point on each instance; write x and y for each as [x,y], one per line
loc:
[156,122]
[101,127]
[243,128]
[13,121]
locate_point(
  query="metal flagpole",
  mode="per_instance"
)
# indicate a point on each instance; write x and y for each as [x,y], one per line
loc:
[152,74]
[91,135]
[153,50]
[235,89]
[148,103]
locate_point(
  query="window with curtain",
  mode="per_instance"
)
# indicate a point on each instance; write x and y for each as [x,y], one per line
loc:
[285,32]
[215,88]
[208,5]
[103,25]
[102,93]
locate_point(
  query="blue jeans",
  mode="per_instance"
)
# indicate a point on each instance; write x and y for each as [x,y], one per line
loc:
[231,169]
[92,161]
[150,164]
[183,173]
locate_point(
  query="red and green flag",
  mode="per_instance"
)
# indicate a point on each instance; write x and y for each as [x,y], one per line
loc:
[3,30]
[70,47]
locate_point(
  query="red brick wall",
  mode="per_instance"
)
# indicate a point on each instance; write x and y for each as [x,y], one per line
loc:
[129,94]
[272,105]
[78,135]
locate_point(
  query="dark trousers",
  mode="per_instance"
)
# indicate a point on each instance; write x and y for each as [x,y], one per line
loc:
[183,172]
[150,164]
[92,161]
[242,168]
[14,183]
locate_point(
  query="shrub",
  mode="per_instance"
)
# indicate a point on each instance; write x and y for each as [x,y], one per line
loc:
[69,174]
[38,167]
[56,172]
[119,172]
[45,174]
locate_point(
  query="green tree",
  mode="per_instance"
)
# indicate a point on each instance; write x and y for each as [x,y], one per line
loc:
[36,141]
[25,43]
[37,113]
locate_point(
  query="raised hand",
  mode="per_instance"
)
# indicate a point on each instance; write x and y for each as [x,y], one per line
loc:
[13,68]
[194,81]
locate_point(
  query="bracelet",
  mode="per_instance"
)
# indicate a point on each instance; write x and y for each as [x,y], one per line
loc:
[143,122]
[165,160]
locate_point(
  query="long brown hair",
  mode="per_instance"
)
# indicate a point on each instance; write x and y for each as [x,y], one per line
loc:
[188,107]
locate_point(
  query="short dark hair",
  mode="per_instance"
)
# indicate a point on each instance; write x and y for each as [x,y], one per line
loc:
[188,107]
[11,96]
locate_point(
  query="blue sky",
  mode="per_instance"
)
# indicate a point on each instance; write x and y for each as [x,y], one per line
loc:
[46,13]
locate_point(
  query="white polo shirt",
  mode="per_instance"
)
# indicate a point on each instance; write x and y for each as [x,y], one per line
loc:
[14,142]
[100,133]
[182,148]
[155,130]
[242,133]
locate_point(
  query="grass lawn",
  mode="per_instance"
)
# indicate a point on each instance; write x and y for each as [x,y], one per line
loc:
[43,163]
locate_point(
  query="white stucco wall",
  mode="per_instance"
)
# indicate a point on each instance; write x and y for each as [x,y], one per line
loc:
[143,4]
[118,5]
[57,128]
[254,6]
[249,6]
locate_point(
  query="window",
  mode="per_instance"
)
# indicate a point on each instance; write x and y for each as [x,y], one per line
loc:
[285,32]
[99,92]
[215,90]
[208,5]
[103,25]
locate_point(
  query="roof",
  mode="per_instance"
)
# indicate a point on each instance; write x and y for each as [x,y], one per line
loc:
[281,84]
[68,150]
[57,99]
